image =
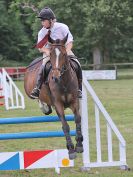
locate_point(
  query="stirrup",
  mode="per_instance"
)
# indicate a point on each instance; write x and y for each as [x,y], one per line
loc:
[35,93]
[79,93]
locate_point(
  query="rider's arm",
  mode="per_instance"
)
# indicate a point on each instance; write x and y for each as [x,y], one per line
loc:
[69,46]
[69,42]
[45,50]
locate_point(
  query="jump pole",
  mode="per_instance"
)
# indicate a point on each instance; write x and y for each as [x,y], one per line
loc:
[35,159]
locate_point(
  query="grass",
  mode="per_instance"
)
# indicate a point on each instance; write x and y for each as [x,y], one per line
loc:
[116,96]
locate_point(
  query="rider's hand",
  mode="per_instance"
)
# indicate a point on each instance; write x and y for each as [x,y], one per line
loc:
[45,50]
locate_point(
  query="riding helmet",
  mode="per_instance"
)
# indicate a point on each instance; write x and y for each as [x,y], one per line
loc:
[46,13]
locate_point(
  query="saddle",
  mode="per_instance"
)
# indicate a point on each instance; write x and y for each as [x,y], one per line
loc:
[46,71]
[75,66]
[34,63]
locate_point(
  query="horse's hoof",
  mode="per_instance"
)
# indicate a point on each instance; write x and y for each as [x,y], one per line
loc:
[72,155]
[45,108]
[79,149]
[49,112]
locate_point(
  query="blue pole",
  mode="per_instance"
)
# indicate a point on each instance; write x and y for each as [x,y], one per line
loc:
[26,135]
[35,119]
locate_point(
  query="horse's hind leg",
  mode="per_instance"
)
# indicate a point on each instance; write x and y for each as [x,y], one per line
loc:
[66,130]
[79,136]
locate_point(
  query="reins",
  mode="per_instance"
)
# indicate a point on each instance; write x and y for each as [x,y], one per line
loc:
[61,45]
[36,62]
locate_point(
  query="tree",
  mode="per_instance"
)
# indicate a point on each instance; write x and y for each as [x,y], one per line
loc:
[109,27]
[101,28]
[14,42]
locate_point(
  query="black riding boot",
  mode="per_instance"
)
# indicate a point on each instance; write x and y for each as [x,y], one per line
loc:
[78,73]
[36,91]
[79,76]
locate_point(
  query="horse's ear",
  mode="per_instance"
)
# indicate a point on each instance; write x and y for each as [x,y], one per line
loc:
[65,38]
[50,40]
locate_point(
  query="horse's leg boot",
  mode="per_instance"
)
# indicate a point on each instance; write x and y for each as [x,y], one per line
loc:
[36,91]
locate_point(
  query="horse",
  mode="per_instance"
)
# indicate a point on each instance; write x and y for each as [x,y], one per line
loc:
[60,91]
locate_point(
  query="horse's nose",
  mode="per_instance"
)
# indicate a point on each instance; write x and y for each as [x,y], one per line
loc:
[57,80]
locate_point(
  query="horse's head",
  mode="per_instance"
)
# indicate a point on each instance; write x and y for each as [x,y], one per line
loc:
[58,58]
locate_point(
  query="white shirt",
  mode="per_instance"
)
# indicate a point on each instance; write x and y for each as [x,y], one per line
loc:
[58,31]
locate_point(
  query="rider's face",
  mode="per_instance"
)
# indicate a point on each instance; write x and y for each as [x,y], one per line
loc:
[45,23]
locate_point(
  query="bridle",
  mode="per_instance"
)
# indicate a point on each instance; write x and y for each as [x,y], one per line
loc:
[61,45]
[64,68]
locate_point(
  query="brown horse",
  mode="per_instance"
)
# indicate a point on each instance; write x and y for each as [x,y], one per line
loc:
[61,91]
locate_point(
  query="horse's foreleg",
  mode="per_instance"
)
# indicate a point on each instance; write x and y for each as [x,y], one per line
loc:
[66,130]
[79,136]
[69,145]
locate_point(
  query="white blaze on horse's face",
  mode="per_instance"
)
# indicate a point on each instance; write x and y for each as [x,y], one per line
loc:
[57,56]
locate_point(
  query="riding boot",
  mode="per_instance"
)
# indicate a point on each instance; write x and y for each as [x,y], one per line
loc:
[36,91]
[78,73]
[79,76]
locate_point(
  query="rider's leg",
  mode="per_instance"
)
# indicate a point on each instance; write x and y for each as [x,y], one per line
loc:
[78,72]
[36,91]
[79,75]
[40,79]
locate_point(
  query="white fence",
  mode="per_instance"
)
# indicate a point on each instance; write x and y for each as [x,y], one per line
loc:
[100,74]
[111,128]
[12,95]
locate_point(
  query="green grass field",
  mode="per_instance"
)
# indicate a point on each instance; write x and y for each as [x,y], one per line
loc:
[116,96]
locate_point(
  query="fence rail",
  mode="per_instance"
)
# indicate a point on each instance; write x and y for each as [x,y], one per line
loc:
[17,73]
[105,65]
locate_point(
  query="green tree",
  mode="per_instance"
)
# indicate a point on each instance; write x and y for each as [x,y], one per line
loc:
[109,27]
[26,12]
[14,41]
[102,29]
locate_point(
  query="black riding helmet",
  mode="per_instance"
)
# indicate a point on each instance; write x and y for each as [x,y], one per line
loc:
[46,13]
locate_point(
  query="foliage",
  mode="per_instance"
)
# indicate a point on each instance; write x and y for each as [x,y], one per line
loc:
[14,42]
[105,24]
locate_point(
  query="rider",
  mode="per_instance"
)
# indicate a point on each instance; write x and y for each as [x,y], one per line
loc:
[56,30]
